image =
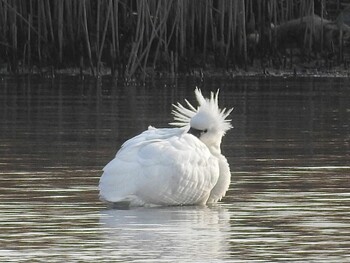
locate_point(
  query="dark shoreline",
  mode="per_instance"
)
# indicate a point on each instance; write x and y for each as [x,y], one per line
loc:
[49,72]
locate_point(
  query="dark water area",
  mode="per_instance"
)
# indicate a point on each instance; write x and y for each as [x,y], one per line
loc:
[289,199]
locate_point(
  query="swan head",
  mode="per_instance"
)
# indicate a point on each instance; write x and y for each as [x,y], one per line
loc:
[207,122]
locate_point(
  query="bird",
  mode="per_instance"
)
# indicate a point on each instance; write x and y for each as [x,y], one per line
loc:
[177,166]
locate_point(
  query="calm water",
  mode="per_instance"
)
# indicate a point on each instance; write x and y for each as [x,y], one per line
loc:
[289,155]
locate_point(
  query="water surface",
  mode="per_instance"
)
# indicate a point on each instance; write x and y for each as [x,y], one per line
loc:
[289,154]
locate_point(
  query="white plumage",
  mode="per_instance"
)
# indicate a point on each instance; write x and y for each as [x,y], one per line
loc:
[173,166]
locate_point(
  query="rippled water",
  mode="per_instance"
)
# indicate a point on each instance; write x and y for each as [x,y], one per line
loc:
[289,154]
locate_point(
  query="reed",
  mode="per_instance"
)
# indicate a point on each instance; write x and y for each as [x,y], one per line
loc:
[139,37]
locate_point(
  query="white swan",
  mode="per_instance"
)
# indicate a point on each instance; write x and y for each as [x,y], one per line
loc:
[173,166]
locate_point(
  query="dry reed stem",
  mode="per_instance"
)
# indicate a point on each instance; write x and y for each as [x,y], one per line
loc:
[134,35]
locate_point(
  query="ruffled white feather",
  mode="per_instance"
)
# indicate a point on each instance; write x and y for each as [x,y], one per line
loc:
[210,106]
[171,166]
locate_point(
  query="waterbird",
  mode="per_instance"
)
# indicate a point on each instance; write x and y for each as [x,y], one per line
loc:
[182,165]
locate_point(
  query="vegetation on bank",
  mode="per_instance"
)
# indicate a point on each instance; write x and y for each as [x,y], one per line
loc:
[142,37]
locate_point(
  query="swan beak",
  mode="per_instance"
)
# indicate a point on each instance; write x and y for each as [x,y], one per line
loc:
[195,132]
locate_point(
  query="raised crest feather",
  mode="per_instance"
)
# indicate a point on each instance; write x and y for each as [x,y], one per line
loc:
[209,106]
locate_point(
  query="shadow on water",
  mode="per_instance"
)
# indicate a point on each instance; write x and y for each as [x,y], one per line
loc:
[289,155]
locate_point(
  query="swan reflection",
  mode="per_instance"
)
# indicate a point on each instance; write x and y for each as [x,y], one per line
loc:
[192,233]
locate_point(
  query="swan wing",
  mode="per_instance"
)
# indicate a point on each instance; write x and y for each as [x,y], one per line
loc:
[161,167]
[153,134]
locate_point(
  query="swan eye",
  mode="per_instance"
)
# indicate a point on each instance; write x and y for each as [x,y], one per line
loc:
[205,131]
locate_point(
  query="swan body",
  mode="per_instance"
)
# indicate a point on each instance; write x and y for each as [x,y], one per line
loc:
[172,166]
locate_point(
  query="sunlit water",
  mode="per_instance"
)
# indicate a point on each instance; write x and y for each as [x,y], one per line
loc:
[289,154]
